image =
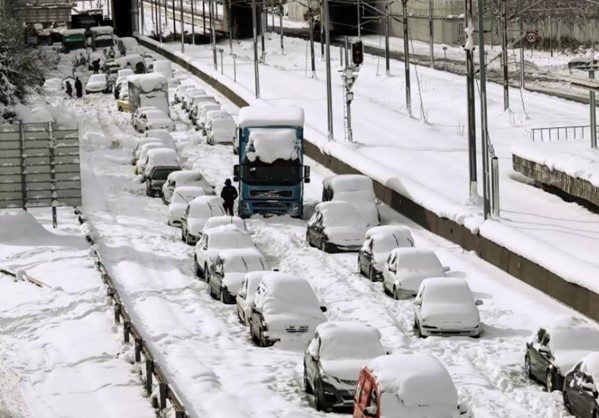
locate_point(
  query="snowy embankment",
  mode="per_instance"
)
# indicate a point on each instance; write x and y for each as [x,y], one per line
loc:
[61,354]
[203,349]
[425,157]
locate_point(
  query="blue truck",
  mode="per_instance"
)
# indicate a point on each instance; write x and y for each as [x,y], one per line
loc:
[271,171]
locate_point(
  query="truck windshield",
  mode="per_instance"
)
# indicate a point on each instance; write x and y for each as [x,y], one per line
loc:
[280,172]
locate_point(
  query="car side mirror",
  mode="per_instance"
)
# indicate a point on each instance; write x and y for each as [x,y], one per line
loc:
[236,172]
[544,350]
[323,308]
[478,302]
[446,269]
[417,302]
[370,411]
[590,387]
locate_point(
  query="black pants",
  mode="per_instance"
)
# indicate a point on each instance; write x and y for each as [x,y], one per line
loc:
[228,208]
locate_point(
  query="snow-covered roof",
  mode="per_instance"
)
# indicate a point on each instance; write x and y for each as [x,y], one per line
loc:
[74,32]
[590,366]
[104,37]
[163,156]
[269,145]
[216,221]
[207,200]
[184,176]
[350,331]
[348,183]
[102,30]
[344,340]
[253,116]
[148,82]
[416,379]
[128,42]
[447,289]
[156,114]
[289,287]
[249,254]
[339,212]
[189,191]
[399,230]
[417,257]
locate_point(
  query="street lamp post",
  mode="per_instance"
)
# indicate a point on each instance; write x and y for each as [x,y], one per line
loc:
[221,59]
[327,37]
[256,69]
[483,109]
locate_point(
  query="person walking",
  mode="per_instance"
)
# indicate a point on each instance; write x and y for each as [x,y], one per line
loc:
[78,88]
[96,66]
[229,194]
[69,89]
[111,53]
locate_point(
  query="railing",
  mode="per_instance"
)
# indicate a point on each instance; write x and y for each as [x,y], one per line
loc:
[152,370]
[559,133]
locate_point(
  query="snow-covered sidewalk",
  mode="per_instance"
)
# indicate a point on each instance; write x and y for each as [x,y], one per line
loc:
[425,156]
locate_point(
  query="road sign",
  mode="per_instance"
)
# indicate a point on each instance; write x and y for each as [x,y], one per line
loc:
[532,37]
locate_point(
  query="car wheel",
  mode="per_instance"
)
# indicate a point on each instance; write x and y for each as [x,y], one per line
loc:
[239,316]
[148,189]
[318,394]
[253,336]
[183,237]
[527,367]
[196,268]
[395,293]
[206,272]
[226,297]
[323,245]
[372,274]
[418,329]
[595,414]
[549,382]
[212,294]
[308,239]
[567,403]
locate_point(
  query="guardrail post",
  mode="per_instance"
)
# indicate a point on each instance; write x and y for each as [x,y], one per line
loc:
[117,314]
[163,390]
[149,372]
[126,329]
[137,349]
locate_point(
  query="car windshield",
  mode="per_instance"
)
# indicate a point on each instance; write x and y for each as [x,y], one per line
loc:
[230,241]
[280,172]
[454,294]
[574,338]
[244,264]
[206,210]
[387,243]
[339,218]
[162,173]
[351,346]
[187,195]
[156,114]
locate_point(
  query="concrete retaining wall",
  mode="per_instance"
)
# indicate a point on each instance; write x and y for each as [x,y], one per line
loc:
[575,296]
[573,186]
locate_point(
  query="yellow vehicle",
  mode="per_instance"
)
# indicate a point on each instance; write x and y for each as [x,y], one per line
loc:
[122,105]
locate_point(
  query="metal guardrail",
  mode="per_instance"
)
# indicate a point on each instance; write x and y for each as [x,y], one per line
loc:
[559,133]
[152,370]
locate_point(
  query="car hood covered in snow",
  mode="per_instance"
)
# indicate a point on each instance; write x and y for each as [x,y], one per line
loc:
[346,370]
[566,359]
[345,235]
[446,315]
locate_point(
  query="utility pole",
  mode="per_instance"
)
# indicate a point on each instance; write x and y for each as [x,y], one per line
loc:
[327,37]
[256,71]
[204,17]
[469,47]
[483,109]
[193,23]
[230,24]
[281,26]
[522,80]
[263,21]
[387,29]
[593,106]
[159,13]
[143,20]
[182,28]
[430,32]
[311,34]
[504,58]
[174,22]
[406,48]
[211,7]
[359,18]
[321,28]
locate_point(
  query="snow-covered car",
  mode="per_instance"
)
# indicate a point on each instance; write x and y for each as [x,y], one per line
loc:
[227,271]
[194,103]
[155,178]
[141,156]
[379,243]
[140,142]
[197,214]
[245,295]
[181,90]
[122,75]
[285,307]
[557,347]
[221,129]
[214,241]
[199,119]
[356,189]
[214,114]
[216,221]
[406,385]
[334,358]
[580,387]
[188,96]
[138,112]
[154,119]
[164,136]
[126,45]
[336,226]
[184,178]
[180,199]
[163,67]
[97,83]
[406,268]
[163,157]
[445,306]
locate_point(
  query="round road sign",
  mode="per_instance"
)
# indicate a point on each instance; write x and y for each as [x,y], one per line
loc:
[532,37]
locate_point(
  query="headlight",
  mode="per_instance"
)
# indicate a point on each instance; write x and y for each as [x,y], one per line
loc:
[244,207]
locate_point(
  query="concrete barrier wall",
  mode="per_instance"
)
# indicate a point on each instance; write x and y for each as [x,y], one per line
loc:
[575,296]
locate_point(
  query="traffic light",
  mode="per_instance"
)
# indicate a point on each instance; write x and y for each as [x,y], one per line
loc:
[357,52]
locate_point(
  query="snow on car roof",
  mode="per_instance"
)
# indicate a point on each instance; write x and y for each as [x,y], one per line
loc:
[590,366]
[243,259]
[215,221]
[148,82]
[97,77]
[419,256]
[125,72]
[106,30]
[156,113]
[338,210]
[289,287]
[209,200]
[269,145]
[447,289]
[217,114]
[183,176]
[348,183]
[189,190]
[398,230]
[240,252]
[128,41]
[253,116]
[342,340]
[416,379]
[572,333]
[78,31]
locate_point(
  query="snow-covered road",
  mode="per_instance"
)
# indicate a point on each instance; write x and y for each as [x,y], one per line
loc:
[206,353]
